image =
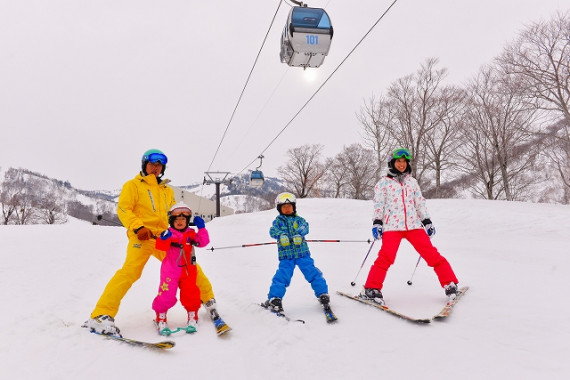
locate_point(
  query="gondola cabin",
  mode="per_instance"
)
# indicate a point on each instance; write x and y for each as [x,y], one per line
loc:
[256,179]
[306,38]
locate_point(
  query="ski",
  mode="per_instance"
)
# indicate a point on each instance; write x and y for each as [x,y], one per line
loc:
[449,306]
[387,309]
[281,314]
[330,316]
[165,345]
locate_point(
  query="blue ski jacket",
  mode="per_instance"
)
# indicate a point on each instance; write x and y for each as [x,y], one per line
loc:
[290,226]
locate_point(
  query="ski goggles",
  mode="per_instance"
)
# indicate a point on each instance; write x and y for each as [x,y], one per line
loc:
[182,211]
[157,157]
[285,198]
[399,153]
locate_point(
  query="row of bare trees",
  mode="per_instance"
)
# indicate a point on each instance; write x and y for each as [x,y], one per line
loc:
[30,198]
[489,137]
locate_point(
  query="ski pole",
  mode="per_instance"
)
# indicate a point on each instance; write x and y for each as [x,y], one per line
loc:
[363,261]
[308,241]
[414,272]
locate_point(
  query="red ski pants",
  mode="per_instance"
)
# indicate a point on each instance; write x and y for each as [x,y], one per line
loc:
[422,244]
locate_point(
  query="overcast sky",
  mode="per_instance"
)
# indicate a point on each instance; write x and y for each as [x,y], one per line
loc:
[87,86]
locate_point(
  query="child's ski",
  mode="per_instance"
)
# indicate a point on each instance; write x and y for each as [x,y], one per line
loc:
[165,345]
[221,326]
[281,314]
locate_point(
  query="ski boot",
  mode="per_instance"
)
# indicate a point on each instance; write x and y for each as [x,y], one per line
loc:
[221,326]
[374,295]
[451,290]
[102,324]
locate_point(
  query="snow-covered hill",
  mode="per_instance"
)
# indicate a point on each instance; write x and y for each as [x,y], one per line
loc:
[513,323]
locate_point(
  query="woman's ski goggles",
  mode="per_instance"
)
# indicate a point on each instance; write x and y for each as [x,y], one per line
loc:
[157,157]
[399,153]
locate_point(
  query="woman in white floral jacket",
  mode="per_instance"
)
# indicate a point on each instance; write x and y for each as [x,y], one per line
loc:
[400,213]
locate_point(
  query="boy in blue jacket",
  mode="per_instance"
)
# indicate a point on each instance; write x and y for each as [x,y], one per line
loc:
[290,229]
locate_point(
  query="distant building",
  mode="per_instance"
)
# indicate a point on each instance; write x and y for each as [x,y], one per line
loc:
[199,205]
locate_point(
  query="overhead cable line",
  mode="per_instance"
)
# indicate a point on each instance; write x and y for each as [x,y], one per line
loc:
[323,84]
[244,87]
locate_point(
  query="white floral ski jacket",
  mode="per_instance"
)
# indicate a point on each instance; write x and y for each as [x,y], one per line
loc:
[399,205]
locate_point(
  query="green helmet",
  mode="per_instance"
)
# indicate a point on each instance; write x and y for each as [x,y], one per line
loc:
[154,155]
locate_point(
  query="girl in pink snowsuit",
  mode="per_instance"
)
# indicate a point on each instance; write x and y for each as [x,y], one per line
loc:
[179,267]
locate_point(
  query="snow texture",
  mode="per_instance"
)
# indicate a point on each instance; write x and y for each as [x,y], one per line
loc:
[512,324]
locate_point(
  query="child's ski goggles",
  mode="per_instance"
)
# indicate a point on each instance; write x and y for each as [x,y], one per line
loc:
[182,211]
[399,153]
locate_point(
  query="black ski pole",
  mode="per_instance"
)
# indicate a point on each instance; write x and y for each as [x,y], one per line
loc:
[414,272]
[363,261]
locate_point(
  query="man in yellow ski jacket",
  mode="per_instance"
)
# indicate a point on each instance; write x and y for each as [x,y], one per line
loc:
[143,210]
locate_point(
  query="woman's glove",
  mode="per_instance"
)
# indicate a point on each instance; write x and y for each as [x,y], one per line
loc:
[377,229]
[428,226]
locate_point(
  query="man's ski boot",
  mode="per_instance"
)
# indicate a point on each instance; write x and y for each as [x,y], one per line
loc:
[374,295]
[102,324]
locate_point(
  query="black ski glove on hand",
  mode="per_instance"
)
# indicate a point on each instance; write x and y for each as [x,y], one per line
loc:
[428,226]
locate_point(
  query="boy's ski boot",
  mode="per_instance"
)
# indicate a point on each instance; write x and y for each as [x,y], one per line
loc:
[324,300]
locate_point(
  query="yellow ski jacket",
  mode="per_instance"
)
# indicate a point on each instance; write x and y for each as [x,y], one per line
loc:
[145,202]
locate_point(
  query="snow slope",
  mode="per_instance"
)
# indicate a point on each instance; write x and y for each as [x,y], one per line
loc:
[513,323]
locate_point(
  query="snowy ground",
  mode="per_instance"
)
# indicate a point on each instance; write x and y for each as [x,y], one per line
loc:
[512,324]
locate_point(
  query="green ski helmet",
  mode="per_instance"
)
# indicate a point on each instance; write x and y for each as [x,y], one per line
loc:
[154,155]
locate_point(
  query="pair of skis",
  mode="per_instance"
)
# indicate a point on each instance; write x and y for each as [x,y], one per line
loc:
[442,314]
[221,328]
[329,315]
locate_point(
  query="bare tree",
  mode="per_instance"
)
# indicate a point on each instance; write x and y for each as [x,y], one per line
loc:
[443,141]
[377,118]
[335,180]
[8,198]
[360,168]
[498,138]
[539,61]
[51,211]
[303,170]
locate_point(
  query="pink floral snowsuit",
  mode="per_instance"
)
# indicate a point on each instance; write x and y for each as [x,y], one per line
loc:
[401,207]
[178,269]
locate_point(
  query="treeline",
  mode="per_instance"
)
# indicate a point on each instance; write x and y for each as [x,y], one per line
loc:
[31,198]
[505,134]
